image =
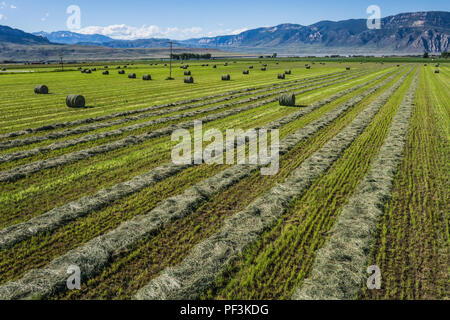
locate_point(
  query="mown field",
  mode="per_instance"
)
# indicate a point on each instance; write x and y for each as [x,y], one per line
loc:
[363,180]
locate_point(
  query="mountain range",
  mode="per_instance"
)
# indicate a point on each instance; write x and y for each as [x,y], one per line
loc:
[406,33]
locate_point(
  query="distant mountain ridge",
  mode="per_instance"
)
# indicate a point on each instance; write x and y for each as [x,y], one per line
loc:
[10,35]
[68,37]
[406,33]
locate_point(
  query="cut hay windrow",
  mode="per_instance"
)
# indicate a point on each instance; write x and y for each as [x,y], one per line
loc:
[94,255]
[145,114]
[62,215]
[207,260]
[339,268]
[166,105]
[22,171]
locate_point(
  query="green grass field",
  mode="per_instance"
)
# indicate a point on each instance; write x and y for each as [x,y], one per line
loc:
[95,187]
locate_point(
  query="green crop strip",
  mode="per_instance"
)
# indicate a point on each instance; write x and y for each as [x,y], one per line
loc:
[412,247]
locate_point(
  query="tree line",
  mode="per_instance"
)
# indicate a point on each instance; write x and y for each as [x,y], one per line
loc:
[189,56]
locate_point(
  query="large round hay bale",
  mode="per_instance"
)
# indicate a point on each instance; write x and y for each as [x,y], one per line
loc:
[132,75]
[105,73]
[188,80]
[250,67]
[287,99]
[41,89]
[264,65]
[226,77]
[146,77]
[118,67]
[263,69]
[125,67]
[347,68]
[187,73]
[106,67]
[214,66]
[88,71]
[308,67]
[225,64]
[121,71]
[75,101]
[281,76]
[287,72]
[436,71]
[94,69]
[245,72]
[437,65]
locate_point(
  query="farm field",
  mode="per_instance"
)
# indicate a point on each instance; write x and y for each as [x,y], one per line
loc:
[363,180]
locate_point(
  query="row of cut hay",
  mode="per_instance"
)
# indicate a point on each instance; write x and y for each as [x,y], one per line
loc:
[99,250]
[207,260]
[94,126]
[58,216]
[338,271]
[142,110]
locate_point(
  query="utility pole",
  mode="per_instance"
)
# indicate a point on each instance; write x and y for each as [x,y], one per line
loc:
[170,63]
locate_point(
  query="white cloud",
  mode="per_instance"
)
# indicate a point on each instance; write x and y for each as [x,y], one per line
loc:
[1,16]
[124,32]
[3,5]
[13,6]
[45,17]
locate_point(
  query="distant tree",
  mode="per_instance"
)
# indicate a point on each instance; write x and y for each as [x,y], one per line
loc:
[426,55]
[445,54]
[274,55]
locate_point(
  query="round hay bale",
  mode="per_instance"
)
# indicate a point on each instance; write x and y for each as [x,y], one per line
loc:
[265,65]
[121,71]
[281,76]
[287,100]
[250,67]
[347,68]
[118,67]
[187,73]
[214,66]
[287,72]
[308,67]
[105,73]
[188,80]
[226,77]
[437,66]
[132,76]
[263,69]
[41,89]
[245,72]
[398,65]
[146,77]
[225,64]
[125,67]
[436,71]
[94,69]
[425,65]
[88,71]
[75,101]
[106,67]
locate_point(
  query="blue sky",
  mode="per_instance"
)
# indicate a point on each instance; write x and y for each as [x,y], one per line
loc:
[181,19]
